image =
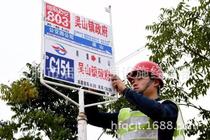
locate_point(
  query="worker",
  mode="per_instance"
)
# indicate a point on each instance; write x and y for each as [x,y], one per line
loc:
[154,119]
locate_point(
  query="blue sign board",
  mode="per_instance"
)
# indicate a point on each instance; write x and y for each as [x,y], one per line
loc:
[58,67]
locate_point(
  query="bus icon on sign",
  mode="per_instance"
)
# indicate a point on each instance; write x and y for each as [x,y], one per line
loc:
[59,49]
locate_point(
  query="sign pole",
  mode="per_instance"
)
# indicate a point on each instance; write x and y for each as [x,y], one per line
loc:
[82,119]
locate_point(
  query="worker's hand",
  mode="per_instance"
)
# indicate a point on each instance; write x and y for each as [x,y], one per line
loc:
[117,84]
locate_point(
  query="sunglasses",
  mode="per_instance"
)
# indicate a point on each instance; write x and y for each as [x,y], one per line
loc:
[138,74]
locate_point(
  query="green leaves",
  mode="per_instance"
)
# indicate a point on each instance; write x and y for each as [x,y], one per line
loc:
[38,112]
[180,42]
[7,129]
[20,91]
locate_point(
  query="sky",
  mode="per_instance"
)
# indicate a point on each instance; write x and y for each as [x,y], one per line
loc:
[20,28]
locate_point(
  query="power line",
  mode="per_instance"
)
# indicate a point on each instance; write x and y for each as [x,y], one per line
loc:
[126,58]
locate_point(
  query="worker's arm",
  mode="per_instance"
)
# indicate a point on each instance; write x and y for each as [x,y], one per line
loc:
[100,119]
[155,110]
[97,118]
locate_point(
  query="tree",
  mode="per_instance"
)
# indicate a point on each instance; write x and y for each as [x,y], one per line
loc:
[180,43]
[38,109]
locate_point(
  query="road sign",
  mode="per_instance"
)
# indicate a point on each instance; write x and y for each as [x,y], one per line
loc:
[77,50]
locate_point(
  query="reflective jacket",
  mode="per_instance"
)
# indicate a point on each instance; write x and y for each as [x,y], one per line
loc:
[154,109]
[134,125]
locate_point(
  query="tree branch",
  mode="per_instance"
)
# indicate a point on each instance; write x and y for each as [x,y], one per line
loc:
[194,106]
[201,56]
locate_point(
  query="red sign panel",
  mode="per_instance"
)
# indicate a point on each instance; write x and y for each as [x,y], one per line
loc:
[57,16]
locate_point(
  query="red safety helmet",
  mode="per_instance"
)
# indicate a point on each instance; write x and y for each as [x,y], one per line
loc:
[146,68]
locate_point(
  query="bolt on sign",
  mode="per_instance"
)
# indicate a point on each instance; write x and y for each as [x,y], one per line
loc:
[76,50]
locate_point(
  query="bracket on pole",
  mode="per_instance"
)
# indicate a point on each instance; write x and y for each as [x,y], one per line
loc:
[81,119]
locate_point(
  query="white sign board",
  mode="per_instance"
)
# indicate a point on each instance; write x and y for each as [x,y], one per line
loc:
[77,50]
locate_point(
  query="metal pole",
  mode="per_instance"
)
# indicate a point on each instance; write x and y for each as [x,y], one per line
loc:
[59,93]
[81,119]
[77,88]
[109,10]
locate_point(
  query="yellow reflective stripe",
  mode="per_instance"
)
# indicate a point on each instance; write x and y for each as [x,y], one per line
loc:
[132,121]
[129,128]
[135,120]
[143,134]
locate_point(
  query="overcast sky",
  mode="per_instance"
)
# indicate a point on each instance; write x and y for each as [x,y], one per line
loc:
[20,28]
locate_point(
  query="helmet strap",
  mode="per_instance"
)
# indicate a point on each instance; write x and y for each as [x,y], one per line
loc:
[147,85]
[158,91]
